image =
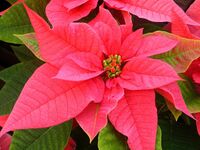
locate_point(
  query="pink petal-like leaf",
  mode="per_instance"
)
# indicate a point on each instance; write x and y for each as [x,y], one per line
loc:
[3,119]
[173,94]
[71,71]
[131,44]
[94,117]
[146,73]
[111,31]
[153,10]
[71,4]
[5,142]
[136,117]
[87,61]
[152,45]
[179,27]
[45,101]
[126,30]
[192,12]
[55,44]
[111,42]
[61,12]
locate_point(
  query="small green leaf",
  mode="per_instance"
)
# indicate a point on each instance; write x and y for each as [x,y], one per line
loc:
[15,78]
[109,139]
[176,113]
[53,138]
[159,139]
[192,99]
[30,41]
[23,53]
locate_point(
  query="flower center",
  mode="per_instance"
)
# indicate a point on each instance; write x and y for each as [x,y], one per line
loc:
[112,65]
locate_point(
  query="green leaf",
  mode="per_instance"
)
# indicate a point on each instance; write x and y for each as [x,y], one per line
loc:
[11,1]
[16,21]
[15,78]
[182,55]
[54,138]
[178,136]
[176,113]
[30,41]
[23,53]
[109,139]
[159,139]
[192,99]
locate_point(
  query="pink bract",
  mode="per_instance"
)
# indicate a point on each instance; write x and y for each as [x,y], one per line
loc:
[93,71]
[153,10]
[65,11]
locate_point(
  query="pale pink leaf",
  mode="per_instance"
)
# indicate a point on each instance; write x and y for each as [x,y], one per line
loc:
[153,10]
[146,73]
[173,94]
[61,12]
[55,44]
[94,117]
[136,117]
[45,101]
[5,142]
[152,45]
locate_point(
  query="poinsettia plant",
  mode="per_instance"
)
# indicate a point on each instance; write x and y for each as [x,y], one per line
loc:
[100,74]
